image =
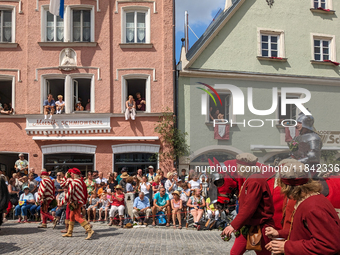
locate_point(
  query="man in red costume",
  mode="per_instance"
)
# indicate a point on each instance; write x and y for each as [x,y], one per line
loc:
[76,197]
[255,204]
[45,197]
[315,225]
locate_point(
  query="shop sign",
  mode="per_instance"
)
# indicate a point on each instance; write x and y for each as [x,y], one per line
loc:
[66,124]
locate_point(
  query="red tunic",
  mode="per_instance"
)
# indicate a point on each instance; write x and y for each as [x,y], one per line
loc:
[255,203]
[278,202]
[288,207]
[315,230]
[225,189]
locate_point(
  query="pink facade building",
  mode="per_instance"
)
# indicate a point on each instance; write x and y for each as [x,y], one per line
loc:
[95,57]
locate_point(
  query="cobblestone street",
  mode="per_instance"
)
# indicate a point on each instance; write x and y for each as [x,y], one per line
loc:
[28,239]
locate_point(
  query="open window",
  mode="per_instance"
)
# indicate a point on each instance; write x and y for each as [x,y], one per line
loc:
[55,87]
[6,96]
[81,95]
[135,87]
[216,111]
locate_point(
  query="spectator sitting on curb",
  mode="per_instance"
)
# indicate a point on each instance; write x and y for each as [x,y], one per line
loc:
[141,208]
[176,205]
[161,203]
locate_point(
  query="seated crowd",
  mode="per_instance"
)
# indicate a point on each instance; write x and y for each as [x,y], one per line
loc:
[151,194]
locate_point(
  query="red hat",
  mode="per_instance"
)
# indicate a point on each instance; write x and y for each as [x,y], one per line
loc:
[44,173]
[294,181]
[74,171]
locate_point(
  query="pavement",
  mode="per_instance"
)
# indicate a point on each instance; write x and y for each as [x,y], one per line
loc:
[28,239]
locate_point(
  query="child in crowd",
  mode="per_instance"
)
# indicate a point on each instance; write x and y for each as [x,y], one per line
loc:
[185,194]
[156,185]
[205,186]
[105,205]
[101,189]
[93,204]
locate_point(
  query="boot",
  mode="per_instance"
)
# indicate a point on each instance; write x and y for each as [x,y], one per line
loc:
[55,221]
[70,229]
[88,229]
[43,225]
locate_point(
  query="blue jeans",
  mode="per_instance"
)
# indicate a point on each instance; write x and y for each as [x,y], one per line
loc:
[22,210]
[35,209]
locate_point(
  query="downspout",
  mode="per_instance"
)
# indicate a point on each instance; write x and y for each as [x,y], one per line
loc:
[175,82]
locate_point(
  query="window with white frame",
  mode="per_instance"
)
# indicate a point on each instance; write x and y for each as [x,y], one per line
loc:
[81,88]
[137,85]
[54,28]
[136,26]
[270,45]
[291,110]
[320,4]
[6,26]
[322,49]
[77,25]
[81,25]
[216,111]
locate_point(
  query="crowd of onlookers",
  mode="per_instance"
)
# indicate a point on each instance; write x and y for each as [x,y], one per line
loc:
[150,195]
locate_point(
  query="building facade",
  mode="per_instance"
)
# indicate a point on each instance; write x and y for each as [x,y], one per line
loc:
[280,49]
[98,54]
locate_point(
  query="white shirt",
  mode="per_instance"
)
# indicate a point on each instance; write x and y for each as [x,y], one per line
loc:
[99,181]
[167,185]
[195,184]
[143,188]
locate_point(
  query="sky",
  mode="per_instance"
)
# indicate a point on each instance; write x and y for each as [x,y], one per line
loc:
[201,13]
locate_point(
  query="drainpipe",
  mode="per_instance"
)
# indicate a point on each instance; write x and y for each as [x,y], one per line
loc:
[174,67]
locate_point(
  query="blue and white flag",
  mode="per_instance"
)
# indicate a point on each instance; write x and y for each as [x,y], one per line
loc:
[57,8]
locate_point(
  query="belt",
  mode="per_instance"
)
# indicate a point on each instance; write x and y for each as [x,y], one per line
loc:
[222,195]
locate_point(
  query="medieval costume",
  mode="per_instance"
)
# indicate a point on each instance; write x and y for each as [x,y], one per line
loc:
[315,225]
[76,197]
[309,143]
[255,205]
[45,197]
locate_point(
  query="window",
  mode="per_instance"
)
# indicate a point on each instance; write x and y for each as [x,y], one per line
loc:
[54,28]
[218,111]
[321,50]
[6,96]
[320,4]
[270,45]
[291,110]
[82,94]
[134,87]
[136,25]
[77,91]
[6,33]
[81,26]
[77,25]
[133,84]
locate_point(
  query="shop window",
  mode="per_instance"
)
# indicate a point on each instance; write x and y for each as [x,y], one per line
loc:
[6,96]
[216,111]
[82,95]
[291,110]
[134,161]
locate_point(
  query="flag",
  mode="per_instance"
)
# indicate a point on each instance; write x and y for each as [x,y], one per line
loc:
[291,133]
[57,8]
[221,132]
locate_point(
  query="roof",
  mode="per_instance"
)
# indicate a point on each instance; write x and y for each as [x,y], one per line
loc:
[210,30]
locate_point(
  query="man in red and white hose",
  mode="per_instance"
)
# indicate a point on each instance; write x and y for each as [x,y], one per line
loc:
[45,197]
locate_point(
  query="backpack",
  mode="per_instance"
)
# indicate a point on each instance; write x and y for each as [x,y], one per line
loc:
[127,219]
[161,219]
